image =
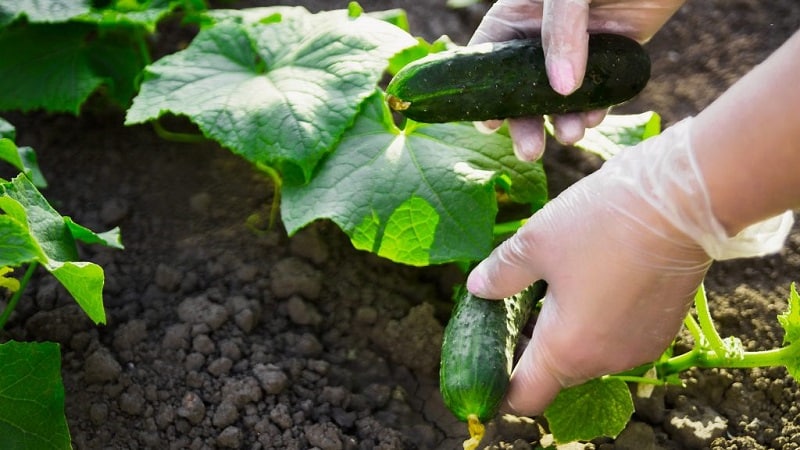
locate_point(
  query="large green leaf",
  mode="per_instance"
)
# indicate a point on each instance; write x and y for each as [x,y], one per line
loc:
[423,195]
[280,91]
[32,397]
[57,66]
[597,408]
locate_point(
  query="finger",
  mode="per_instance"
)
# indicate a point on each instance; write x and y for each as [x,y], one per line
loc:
[594,118]
[566,42]
[511,267]
[568,128]
[509,19]
[527,135]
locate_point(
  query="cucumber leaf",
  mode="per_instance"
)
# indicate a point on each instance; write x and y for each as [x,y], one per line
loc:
[57,66]
[31,230]
[32,397]
[423,195]
[42,10]
[23,159]
[597,408]
[145,14]
[279,91]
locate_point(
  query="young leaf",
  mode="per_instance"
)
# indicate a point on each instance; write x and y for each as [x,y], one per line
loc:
[597,408]
[790,320]
[84,281]
[34,231]
[24,159]
[423,195]
[111,238]
[32,397]
[280,93]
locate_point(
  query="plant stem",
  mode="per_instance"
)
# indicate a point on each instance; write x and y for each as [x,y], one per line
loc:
[505,228]
[277,182]
[710,359]
[706,322]
[186,138]
[12,303]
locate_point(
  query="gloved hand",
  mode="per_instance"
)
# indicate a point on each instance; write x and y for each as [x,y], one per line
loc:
[623,251]
[563,25]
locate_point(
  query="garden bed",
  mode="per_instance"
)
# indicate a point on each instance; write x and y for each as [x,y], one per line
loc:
[224,335]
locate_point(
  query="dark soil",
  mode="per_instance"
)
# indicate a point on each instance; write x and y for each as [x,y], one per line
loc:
[221,335]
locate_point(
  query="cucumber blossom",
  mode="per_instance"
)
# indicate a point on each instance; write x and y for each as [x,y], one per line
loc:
[497,80]
[478,351]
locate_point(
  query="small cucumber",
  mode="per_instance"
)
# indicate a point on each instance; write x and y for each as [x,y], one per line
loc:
[508,79]
[478,351]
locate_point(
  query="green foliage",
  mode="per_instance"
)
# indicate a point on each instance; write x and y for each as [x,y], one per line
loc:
[790,322]
[57,53]
[279,93]
[599,407]
[32,397]
[421,195]
[33,233]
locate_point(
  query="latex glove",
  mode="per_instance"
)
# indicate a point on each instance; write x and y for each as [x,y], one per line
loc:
[623,251]
[563,25]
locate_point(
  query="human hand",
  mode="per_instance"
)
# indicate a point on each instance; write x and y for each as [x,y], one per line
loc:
[564,26]
[623,251]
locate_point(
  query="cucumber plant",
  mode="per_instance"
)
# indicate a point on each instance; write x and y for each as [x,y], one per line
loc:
[299,95]
[32,235]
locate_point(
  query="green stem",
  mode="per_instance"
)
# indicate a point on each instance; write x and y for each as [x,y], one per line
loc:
[707,323]
[506,228]
[694,330]
[12,303]
[277,182]
[186,138]
[748,360]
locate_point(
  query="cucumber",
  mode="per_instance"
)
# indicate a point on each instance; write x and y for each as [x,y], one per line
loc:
[508,79]
[478,351]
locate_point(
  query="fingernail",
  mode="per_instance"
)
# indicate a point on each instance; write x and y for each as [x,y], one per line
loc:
[561,76]
[488,126]
[527,152]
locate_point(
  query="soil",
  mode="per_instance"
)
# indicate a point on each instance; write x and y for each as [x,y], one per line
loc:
[221,335]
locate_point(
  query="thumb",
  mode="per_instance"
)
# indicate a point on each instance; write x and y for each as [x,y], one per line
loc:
[565,39]
[510,268]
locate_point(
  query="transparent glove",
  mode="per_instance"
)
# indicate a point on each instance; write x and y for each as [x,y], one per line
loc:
[623,251]
[563,25]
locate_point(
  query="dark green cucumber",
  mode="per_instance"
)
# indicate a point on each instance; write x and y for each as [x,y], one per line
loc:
[478,351]
[508,79]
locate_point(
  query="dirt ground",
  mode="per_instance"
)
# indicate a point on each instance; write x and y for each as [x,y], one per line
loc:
[222,336]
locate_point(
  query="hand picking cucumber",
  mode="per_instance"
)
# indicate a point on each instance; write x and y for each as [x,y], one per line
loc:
[498,80]
[478,353]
